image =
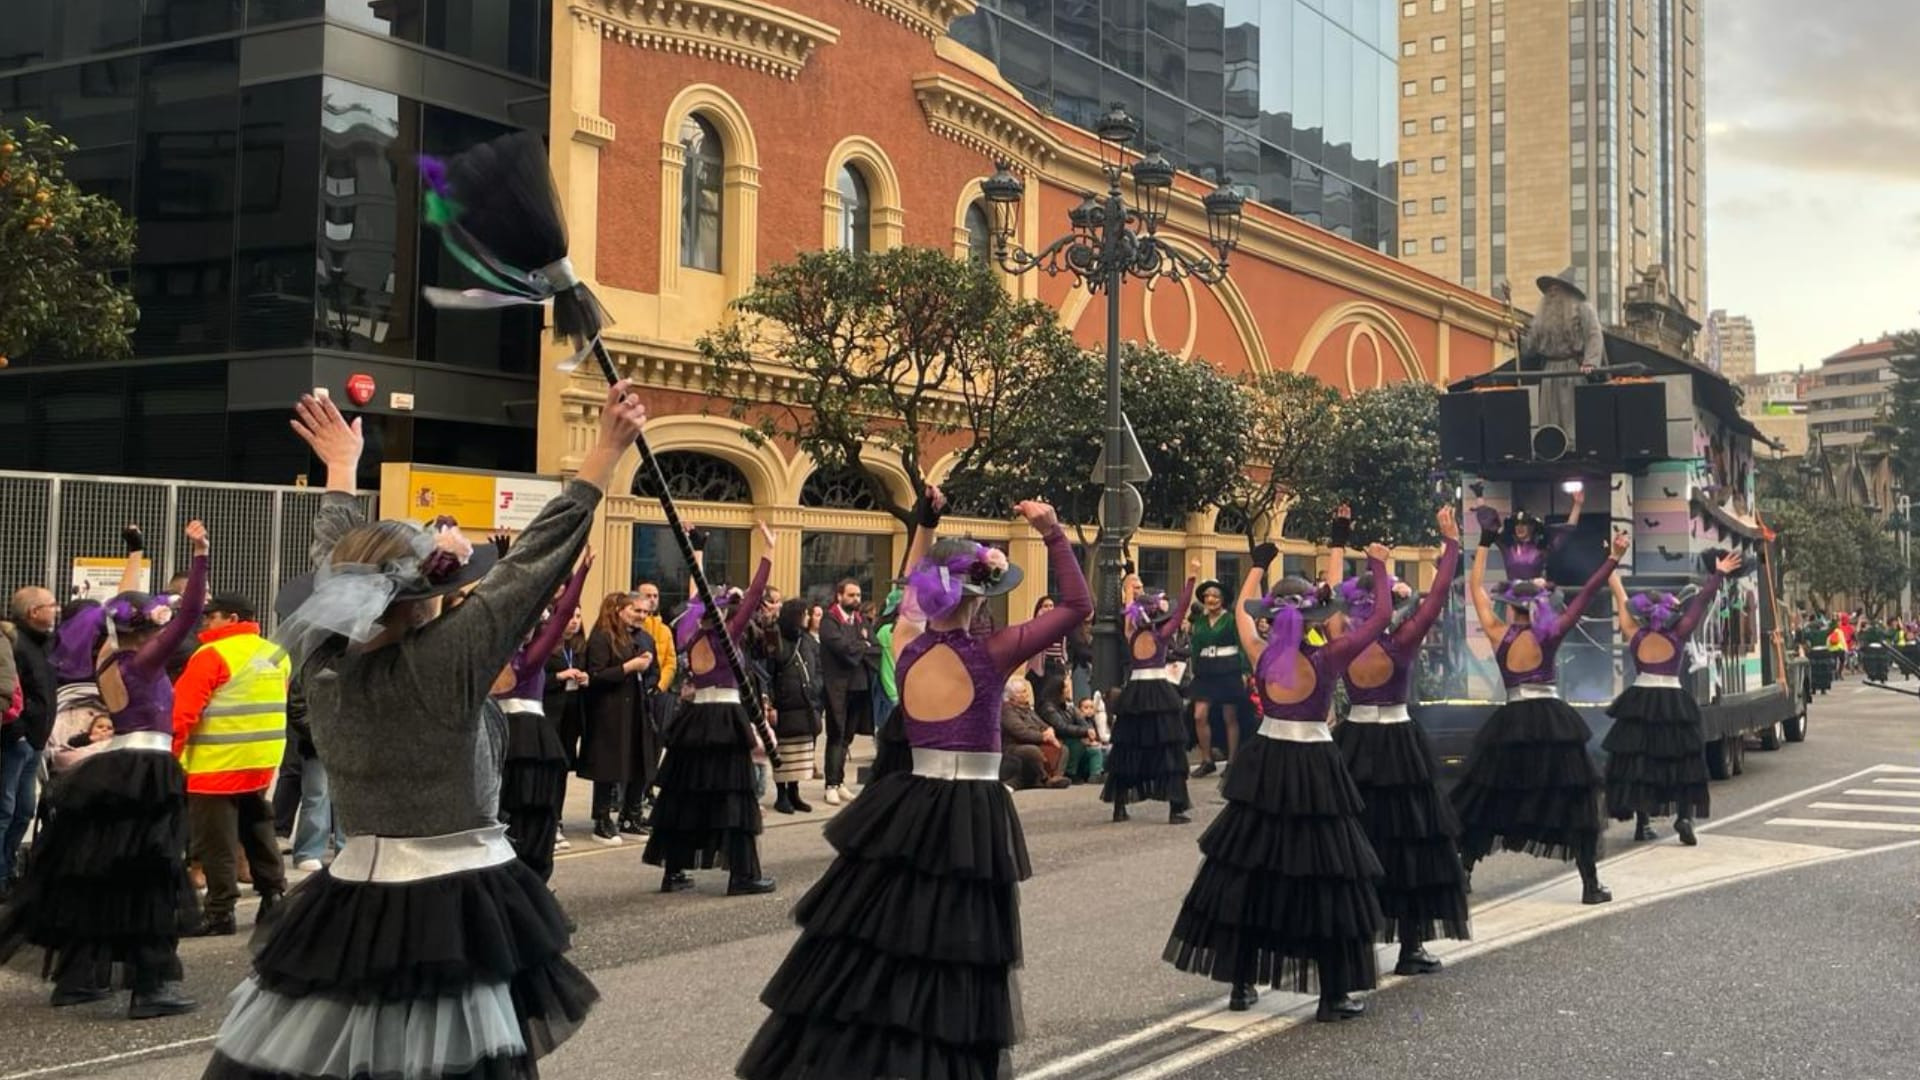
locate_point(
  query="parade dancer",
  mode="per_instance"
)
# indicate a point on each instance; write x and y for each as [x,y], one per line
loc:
[1656,760]
[904,967]
[426,948]
[1286,896]
[533,779]
[1149,755]
[1530,785]
[1391,760]
[1219,674]
[1526,542]
[107,879]
[706,814]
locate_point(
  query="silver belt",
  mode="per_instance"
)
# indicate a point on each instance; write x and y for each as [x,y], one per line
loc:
[956,764]
[1219,650]
[717,695]
[1294,730]
[1532,691]
[139,740]
[1378,714]
[1657,682]
[393,860]
[1147,674]
[520,705]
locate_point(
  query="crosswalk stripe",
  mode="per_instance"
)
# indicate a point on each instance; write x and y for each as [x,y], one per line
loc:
[1864,826]
[1881,793]
[1866,807]
[1896,780]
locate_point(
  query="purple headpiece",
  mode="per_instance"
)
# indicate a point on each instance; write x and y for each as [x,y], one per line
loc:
[1356,595]
[133,612]
[686,627]
[955,569]
[1149,607]
[1525,594]
[1292,604]
[76,643]
[1659,610]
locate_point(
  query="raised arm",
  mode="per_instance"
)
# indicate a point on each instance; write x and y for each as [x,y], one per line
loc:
[160,647]
[1577,606]
[1697,608]
[1341,650]
[1010,647]
[1416,626]
[337,442]
[1167,629]
[743,612]
[908,620]
[1477,592]
[1629,626]
[547,638]
[130,573]
[1340,533]
[1251,643]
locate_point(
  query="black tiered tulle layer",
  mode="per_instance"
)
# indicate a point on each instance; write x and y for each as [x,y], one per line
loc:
[1149,755]
[706,814]
[1530,784]
[891,751]
[1413,830]
[408,949]
[1286,896]
[904,967]
[106,879]
[533,787]
[1656,756]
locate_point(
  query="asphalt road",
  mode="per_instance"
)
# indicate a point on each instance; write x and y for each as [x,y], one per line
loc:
[1707,971]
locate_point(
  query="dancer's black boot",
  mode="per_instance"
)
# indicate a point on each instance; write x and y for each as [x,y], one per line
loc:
[1119,808]
[1338,1007]
[1591,891]
[1414,957]
[1244,995]
[1643,829]
[1683,826]
[1177,814]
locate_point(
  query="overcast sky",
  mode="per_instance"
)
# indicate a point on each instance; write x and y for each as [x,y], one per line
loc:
[1813,171]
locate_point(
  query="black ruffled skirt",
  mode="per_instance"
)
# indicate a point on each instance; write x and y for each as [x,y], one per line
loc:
[463,975]
[1228,688]
[706,814]
[1286,896]
[908,944]
[533,787]
[892,753]
[1656,755]
[1413,830]
[106,881]
[1149,755]
[1530,784]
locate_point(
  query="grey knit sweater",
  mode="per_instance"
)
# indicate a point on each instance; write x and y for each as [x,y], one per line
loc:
[411,742]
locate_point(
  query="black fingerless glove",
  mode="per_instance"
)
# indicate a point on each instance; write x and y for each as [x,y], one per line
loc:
[697,538]
[1341,532]
[1489,537]
[135,541]
[1264,553]
[1127,567]
[925,514]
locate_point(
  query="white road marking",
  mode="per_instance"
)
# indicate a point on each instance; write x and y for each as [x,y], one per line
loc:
[1882,793]
[1865,806]
[1897,780]
[110,1059]
[1811,823]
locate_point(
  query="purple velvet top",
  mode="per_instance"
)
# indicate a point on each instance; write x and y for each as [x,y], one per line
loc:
[143,671]
[1331,659]
[1676,634]
[1527,559]
[1402,643]
[1162,633]
[685,631]
[988,660]
[1550,641]
[529,662]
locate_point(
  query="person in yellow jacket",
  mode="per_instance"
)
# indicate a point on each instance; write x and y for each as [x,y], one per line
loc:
[657,628]
[229,732]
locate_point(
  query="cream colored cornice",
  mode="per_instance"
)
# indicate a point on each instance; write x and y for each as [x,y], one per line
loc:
[982,122]
[750,33]
[928,18]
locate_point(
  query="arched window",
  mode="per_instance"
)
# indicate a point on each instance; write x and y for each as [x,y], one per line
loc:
[979,234]
[700,194]
[697,477]
[856,211]
[840,489]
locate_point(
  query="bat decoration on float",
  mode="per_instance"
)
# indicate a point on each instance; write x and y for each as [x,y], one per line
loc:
[498,215]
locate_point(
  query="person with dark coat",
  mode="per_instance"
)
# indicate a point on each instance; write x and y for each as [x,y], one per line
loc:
[35,611]
[793,674]
[565,700]
[618,667]
[850,658]
[1031,755]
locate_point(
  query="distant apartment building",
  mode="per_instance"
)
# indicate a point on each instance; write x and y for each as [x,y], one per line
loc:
[1734,333]
[1850,391]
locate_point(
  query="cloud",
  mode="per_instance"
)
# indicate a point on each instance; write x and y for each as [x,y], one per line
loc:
[1867,145]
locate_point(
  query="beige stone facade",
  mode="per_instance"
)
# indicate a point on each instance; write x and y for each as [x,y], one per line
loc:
[1737,347]
[1536,136]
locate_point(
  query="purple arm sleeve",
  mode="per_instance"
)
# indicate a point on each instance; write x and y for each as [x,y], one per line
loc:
[1577,606]
[1697,607]
[1016,644]
[1557,535]
[153,655]
[1341,651]
[547,638]
[1166,629]
[750,601]
[1423,618]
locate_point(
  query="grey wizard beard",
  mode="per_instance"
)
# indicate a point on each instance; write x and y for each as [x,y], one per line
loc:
[1556,332]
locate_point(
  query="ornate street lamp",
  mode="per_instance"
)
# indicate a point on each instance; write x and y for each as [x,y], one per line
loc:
[1111,240]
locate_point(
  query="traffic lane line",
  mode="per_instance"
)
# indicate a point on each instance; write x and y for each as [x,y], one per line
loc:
[1870,808]
[1834,823]
[1882,793]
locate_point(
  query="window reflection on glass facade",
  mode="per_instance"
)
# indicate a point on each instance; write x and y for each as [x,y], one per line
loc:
[365,180]
[700,195]
[1292,100]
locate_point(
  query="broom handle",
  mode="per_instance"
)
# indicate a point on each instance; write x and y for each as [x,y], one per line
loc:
[749,689]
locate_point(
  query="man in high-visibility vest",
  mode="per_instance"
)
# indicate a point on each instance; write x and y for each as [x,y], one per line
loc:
[230,731]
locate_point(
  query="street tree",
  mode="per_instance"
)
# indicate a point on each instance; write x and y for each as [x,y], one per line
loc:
[1193,423]
[1291,416]
[1381,455]
[1819,547]
[1903,409]
[59,251]
[892,350]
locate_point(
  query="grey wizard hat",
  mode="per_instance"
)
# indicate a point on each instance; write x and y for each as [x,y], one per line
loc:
[1565,280]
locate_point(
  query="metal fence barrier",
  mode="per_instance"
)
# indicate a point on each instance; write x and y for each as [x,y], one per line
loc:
[260,533]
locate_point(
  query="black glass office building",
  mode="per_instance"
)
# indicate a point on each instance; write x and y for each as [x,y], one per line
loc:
[266,150]
[1294,101]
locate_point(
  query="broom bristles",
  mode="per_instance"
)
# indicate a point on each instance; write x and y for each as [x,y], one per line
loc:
[507,201]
